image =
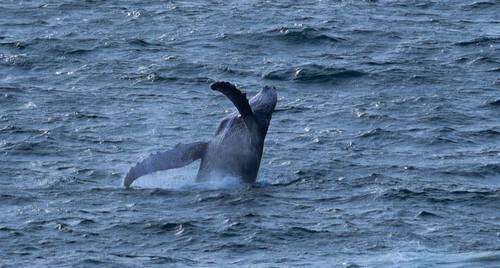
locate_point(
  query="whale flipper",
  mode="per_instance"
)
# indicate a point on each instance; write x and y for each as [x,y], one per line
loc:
[181,155]
[240,101]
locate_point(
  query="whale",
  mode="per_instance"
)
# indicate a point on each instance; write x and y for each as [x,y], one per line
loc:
[236,148]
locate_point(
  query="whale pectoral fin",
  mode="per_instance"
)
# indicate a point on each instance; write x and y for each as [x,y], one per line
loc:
[181,155]
[239,99]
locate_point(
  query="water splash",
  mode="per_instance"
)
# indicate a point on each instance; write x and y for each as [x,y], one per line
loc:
[185,179]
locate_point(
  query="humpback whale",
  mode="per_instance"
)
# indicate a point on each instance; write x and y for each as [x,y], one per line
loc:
[234,150]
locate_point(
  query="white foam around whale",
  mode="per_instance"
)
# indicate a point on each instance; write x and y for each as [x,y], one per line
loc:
[185,179]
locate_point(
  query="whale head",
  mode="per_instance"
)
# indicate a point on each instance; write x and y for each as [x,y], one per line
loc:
[265,101]
[263,104]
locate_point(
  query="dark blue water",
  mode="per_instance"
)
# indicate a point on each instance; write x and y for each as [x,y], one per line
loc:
[384,149]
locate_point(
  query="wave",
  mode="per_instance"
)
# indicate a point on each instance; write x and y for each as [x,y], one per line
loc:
[42,146]
[64,45]
[12,89]
[234,71]
[302,35]
[494,103]
[86,115]
[436,195]
[154,259]
[313,73]
[427,214]
[186,72]
[79,51]
[16,199]
[475,171]
[425,258]
[142,43]
[155,77]
[378,134]
[290,35]
[480,41]
[486,133]
[13,44]
[479,5]
[11,129]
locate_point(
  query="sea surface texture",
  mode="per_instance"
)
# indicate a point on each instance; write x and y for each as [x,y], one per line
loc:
[384,149]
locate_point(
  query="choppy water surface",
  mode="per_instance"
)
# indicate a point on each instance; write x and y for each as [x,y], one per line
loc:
[384,149]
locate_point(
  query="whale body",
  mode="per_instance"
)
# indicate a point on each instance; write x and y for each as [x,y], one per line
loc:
[235,149]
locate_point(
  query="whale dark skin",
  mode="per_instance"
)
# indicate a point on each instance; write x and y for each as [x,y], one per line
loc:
[235,149]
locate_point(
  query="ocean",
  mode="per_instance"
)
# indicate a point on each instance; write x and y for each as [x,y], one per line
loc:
[383,151]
